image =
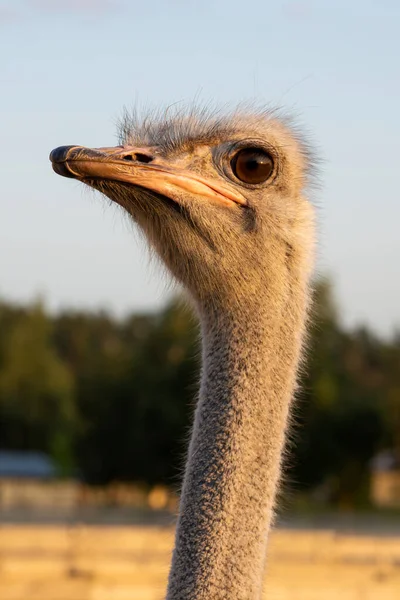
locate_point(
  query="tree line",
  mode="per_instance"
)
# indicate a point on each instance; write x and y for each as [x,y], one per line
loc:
[113,399]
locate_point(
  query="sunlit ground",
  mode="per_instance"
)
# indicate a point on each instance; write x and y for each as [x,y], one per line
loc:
[82,562]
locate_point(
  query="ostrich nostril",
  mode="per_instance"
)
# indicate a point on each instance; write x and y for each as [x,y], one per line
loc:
[144,158]
[139,157]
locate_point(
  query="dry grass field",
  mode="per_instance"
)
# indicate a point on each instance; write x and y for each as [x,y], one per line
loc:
[120,563]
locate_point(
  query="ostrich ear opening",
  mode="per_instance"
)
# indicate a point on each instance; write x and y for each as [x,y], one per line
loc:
[139,167]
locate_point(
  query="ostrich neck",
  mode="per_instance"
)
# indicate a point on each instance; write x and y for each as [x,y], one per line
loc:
[250,358]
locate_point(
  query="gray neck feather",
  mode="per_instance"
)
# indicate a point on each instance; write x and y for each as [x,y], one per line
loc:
[250,357]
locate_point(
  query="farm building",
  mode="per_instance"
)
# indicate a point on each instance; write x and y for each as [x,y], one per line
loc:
[385,480]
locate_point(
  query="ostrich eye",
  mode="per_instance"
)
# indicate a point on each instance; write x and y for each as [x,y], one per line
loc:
[252,165]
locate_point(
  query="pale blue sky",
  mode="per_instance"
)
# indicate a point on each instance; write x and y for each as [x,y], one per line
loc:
[67,68]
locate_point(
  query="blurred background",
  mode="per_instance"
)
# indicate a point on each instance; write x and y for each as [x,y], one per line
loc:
[98,357]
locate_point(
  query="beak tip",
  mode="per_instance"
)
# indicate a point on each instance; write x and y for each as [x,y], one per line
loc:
[58,158]
[60,154]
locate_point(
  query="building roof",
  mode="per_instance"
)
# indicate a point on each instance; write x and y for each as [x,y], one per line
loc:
[387,460]
[26,465]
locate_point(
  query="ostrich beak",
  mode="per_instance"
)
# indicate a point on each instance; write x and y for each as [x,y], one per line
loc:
[139,167]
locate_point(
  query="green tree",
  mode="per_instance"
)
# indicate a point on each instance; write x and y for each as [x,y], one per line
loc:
[118,395]
[341,409]
[36,390]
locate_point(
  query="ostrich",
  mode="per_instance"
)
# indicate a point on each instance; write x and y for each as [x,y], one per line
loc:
[221,199]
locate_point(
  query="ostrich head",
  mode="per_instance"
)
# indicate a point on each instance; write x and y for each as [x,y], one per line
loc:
[217,197]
